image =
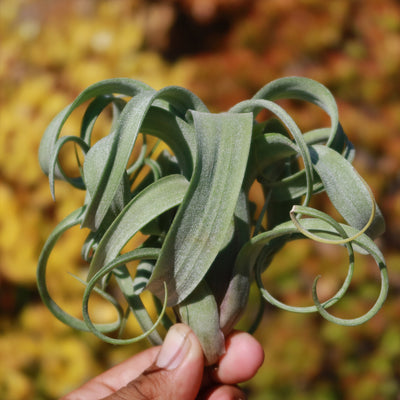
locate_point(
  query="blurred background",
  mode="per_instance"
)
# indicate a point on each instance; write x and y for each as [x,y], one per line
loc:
[224,51]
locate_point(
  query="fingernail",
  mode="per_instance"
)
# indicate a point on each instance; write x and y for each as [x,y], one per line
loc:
[175,348]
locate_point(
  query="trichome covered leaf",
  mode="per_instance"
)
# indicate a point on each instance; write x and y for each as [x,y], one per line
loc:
[202,245]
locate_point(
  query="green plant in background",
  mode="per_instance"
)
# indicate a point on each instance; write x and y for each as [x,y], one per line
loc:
[204,245]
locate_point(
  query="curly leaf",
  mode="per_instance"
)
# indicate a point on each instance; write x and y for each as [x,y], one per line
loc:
[124,86]
[75,218]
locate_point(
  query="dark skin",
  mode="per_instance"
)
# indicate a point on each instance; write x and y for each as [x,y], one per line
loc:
[177,371]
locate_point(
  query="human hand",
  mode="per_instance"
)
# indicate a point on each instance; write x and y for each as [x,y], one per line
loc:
[176,371]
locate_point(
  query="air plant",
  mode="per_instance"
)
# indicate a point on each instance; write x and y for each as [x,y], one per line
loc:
[204,245]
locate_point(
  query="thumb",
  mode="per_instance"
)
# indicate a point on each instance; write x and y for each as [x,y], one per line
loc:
[176,374]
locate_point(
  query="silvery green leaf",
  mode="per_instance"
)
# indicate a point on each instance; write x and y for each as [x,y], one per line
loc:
[202,220]
[73,219]
[304,89]
[129,125]
[151,202]
[124,86]
[200,311]
[346,189]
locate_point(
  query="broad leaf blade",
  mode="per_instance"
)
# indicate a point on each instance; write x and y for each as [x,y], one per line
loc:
[157,198]
[129,125]
[199,228]
[200,312]
[119,151]
[346,189]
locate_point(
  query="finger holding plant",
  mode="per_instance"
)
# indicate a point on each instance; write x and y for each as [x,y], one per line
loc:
[204,246]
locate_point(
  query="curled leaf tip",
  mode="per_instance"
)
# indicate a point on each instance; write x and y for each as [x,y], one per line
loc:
[183,190]
[313,213]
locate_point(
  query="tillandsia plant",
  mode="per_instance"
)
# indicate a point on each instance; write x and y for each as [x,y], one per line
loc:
[204,245]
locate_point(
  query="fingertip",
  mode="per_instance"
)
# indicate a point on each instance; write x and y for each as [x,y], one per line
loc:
[244,356]
[223,392]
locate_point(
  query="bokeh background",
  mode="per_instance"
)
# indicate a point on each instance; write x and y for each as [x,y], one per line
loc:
[224,51]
